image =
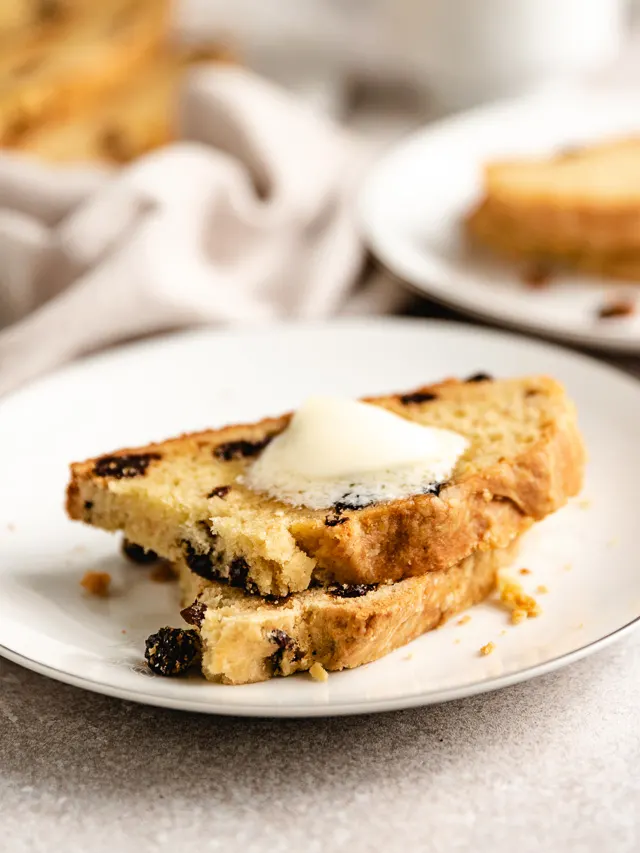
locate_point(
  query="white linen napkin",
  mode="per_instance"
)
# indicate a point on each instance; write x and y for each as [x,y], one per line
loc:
[248,219]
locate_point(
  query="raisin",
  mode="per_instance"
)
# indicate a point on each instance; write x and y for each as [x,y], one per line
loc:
[172,650]
[345,504]
[200,564]
[128,465]
[417,397]
[479,377]
[138,554]
[113,144]
[241,449]
[238,572]
[433,489]
[88,505]
[350,590]
[274,599]
[284,643]
[16,127]
[194,614]
[50,11]
[617,308]
[538,274]
[219,492]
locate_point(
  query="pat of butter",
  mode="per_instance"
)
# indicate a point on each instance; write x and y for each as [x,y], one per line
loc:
[338,450]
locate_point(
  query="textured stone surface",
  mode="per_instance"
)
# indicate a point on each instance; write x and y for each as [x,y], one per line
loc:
[553,764]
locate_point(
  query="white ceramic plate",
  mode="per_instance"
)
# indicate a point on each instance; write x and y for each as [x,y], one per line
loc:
[413,201]
[155,389]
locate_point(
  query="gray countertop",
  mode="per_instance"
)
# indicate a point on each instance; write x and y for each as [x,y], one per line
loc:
[553,764]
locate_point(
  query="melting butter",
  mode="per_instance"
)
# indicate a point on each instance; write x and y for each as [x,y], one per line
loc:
[337,450]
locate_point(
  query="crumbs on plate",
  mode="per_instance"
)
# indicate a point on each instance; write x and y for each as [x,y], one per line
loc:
[318,672]
[538,274]
[512,595]
[96,583]
[616,308]
[464,619]
[487,649]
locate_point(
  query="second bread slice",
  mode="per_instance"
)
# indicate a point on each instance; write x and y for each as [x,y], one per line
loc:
[246,639]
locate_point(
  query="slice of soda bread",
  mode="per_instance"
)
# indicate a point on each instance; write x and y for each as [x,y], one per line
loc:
[181,498]
[49,75]
[245,638]
[580,207]
[512,238]
[130,121]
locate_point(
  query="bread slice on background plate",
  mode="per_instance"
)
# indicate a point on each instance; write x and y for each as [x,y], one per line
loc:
[579,207]
[181,498]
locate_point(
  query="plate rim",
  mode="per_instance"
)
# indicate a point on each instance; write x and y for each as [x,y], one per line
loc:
[349,706]
[421,282]
[339,709]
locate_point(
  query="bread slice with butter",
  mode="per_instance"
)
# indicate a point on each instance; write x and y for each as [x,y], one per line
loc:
[245,638]
[182,498]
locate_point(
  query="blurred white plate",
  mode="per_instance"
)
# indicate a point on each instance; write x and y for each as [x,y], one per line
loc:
[414,199]
[155,389]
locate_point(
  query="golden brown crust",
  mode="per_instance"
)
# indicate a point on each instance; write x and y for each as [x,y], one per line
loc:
[515,241]
[484,506]
[239,644]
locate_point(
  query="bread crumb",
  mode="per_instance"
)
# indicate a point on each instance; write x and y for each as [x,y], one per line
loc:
[318,672]
[612,542]
[567,567]
[518,616]
[503,632]
[585,503]
[96,583]
[525,571]
[456,641]
[162,573]
[513,596]
[542,589]
[464,619]
[408,657]
[486,650]
[537,275]
[622,307]
[11,527]
[123,631]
